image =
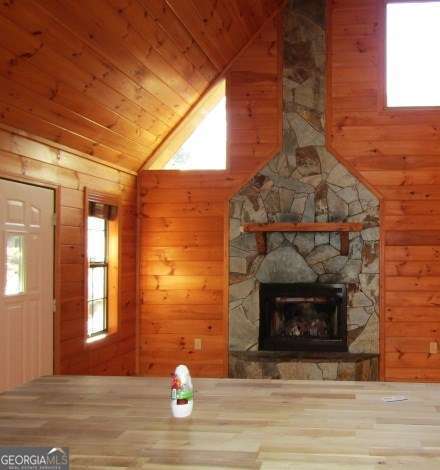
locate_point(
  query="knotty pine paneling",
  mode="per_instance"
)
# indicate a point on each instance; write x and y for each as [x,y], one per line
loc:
[254,103]
[182,274]
[24,158]
[184,225]
[396,152]
[113,79]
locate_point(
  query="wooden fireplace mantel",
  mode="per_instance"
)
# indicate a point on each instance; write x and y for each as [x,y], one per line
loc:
[343,228]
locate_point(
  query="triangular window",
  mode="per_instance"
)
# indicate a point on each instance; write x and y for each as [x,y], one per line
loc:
[205,147]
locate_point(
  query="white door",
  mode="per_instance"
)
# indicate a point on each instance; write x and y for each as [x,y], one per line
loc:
[26,282]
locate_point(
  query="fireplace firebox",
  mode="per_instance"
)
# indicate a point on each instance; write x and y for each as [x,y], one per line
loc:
[303,317]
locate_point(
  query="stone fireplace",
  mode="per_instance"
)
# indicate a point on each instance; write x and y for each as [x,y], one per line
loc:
[303,317]
[304,183]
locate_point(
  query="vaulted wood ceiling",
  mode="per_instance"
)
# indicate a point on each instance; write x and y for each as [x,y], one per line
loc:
[111,78]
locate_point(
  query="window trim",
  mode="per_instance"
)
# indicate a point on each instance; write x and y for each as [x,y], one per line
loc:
[382,100]
[113,271]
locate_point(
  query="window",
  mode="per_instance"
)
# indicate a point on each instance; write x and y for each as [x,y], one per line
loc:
[413,64]
[14,264]
[102,254]
[206,147]
[98,275]
[199,141]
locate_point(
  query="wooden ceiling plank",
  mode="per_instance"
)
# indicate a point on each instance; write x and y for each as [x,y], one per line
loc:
[5,24]
[261,9]
[28,46]
[19,142]
[54,37]
[34,125]
[248,10]
[66,44]
[62,93]
[25,74]
[233,9]
[227,38]
[268,6]
[114,25]
[15,117]
[136,16]
[20,146]
[24,94]
[88,29]
[23,98]
[229,13]
[164,17]
[188,15]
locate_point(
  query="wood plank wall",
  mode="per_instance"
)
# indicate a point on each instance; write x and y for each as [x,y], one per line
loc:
[184,225]
[21,157]
[254,100]
[181,272]
[396,152]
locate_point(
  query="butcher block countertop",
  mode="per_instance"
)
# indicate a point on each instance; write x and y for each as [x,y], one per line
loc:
[125,422]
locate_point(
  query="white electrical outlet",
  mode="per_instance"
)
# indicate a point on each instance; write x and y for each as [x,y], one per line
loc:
[433,347]
[198,344]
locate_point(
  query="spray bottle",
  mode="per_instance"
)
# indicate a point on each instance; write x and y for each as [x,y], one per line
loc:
[181,392]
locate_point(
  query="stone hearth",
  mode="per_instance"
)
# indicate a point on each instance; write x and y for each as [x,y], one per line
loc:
[304,183]
[286,366]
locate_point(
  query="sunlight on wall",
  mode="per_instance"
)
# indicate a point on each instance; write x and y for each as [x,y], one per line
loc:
[413,61]
[205,149]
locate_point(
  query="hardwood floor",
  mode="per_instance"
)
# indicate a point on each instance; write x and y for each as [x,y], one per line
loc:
[125,422]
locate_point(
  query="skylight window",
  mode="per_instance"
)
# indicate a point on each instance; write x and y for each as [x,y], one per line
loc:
[413,63]
[205,149]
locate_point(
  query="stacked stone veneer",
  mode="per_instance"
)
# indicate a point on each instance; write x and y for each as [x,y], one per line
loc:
[304,183]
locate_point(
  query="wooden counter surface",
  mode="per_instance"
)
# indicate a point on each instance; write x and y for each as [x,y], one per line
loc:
[125,422]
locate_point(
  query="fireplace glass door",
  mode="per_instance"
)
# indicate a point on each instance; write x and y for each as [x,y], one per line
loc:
[308,317]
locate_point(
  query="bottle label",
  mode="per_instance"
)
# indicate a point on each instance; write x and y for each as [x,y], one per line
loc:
[184,395]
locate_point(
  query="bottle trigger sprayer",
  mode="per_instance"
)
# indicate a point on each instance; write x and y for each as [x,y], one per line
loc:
[181,392]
